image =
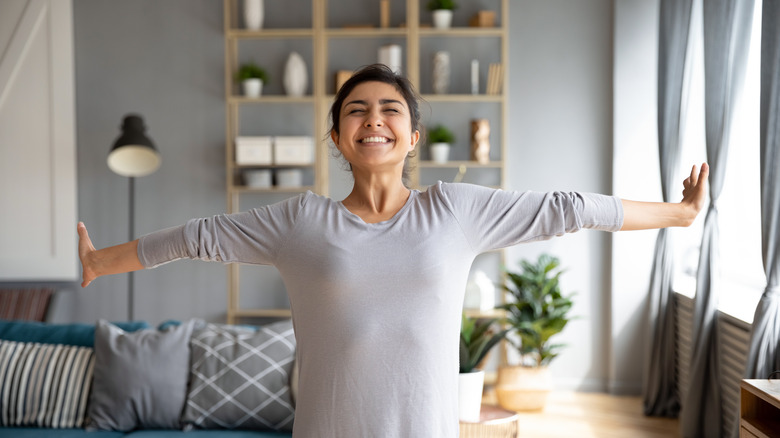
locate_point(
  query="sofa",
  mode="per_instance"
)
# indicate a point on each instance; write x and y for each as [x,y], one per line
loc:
[129,379]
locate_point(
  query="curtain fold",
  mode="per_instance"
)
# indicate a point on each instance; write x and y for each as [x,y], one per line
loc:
[726,36]
[660,383]
[764,355]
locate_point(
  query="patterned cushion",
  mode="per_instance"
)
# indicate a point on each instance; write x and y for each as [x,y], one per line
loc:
[240,378]
[44,385]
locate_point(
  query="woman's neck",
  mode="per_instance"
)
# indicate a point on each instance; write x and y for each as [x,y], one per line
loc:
[376,197]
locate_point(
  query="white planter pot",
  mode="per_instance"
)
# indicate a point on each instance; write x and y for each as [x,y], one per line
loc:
[253,14]
[442,18]
[252,87]
[295,77]
[470,396]
[440,152]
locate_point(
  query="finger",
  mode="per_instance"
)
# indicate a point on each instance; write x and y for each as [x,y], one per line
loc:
[705,172]
[694,173]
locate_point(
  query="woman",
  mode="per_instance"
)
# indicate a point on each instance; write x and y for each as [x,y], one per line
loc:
[376,281]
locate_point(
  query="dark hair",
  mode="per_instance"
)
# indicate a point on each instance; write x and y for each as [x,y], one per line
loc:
[380,73]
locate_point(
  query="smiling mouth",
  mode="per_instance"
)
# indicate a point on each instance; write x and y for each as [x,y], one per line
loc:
[375,140]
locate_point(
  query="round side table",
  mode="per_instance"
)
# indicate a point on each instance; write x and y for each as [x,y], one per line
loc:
[494,422]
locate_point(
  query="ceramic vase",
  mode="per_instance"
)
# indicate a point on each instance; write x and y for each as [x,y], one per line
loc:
[480,292]
[252,87]
[253,14]
[295,76]
[442,18]
[440,152]
[470,387]
[441,72]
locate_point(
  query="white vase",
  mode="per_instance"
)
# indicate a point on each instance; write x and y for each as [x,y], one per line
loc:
[295,77]
[480,292]
[441,72]
[253,14]
[442,18]
[470,387]
[252,87]
[440,152]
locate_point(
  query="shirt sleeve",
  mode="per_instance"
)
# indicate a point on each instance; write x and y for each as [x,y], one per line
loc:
[251,237]
[493,219]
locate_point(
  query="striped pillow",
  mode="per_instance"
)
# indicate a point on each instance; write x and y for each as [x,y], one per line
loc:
[44,385]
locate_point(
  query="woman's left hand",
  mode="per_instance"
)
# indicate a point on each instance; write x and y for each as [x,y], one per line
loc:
[695,190]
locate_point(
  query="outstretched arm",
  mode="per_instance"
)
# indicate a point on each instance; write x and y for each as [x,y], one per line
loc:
[113,260]
[647,215]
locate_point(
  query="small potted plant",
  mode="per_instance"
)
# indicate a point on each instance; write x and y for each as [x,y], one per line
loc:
[536,311]
[442,12]
[252,77]
[439,139]
[476,340]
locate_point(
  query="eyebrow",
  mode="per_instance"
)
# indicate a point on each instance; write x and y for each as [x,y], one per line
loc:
[381,102]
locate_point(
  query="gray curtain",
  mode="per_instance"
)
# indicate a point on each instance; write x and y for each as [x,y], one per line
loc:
[726,36]
[764,356]
[660,385]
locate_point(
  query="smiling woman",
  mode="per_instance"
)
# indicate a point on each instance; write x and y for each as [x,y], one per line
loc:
[376,281]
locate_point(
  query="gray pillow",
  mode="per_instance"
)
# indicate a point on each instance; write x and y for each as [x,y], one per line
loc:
[240,379]
[140,378]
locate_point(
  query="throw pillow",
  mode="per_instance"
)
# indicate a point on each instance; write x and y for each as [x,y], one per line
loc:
[44,385]
[79,334]
[140,378]
[240,378]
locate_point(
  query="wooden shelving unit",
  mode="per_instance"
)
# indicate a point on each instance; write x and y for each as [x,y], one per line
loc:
[760,409]
[319,36]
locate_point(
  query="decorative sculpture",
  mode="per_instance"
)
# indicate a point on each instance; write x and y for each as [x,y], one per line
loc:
[480,140]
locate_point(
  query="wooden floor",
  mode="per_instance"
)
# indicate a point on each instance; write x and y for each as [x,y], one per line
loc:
[583,415]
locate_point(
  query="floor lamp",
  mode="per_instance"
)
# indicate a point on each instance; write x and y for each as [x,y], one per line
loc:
[133,155]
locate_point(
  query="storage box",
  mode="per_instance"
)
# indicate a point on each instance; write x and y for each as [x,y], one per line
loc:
[289,177]
[257,178]
[483,19]
[293,150]
[254,150]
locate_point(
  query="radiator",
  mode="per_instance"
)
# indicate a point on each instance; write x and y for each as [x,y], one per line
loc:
[734,342]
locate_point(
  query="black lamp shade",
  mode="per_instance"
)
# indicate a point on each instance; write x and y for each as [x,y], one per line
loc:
[133,153]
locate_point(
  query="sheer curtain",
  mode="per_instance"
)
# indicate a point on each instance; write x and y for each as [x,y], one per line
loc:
[660,386]
[726,37]
[764,355]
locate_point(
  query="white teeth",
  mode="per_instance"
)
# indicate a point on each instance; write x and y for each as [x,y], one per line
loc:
[374,140]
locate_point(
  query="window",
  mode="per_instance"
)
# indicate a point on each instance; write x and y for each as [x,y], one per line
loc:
[741,267]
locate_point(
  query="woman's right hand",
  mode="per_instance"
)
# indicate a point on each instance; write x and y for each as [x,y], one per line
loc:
[86,249]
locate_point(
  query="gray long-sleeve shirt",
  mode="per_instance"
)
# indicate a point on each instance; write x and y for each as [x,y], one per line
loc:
[377,307]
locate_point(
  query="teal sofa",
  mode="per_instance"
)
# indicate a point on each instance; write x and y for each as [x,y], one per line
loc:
[20,340]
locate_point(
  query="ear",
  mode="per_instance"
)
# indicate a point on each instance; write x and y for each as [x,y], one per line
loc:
[334,136]
[415,139]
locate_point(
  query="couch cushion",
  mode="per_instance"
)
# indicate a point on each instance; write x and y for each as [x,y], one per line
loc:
[69,334]
[44,385]
[140,377]
[240,379]
[34,432]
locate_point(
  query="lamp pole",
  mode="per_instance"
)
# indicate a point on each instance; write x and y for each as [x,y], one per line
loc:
[131,237]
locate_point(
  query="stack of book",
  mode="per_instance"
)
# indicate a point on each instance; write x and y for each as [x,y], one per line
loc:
[495,79]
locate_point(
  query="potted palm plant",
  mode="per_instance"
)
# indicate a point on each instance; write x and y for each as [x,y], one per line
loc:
[536,311]
[442,12]
[477,338]
[439,139]
[252,77]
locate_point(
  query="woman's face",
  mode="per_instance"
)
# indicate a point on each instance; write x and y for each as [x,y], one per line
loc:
[375,128]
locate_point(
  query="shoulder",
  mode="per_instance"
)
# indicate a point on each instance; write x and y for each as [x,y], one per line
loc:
[457,192]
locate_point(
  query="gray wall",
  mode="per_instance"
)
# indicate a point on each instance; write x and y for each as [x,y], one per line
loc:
[165,61]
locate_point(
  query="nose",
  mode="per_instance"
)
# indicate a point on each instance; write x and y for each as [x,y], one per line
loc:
[373,120]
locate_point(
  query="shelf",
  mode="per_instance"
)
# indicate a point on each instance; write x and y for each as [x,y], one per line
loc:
[269,33]
[262,313]
[760,407]
[492,313]
[372,32]
[463,32]
[244,189]
[456,165]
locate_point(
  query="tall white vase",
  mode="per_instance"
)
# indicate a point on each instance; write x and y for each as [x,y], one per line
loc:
[441,72]
[470,387]
[253,14]
[295,76]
